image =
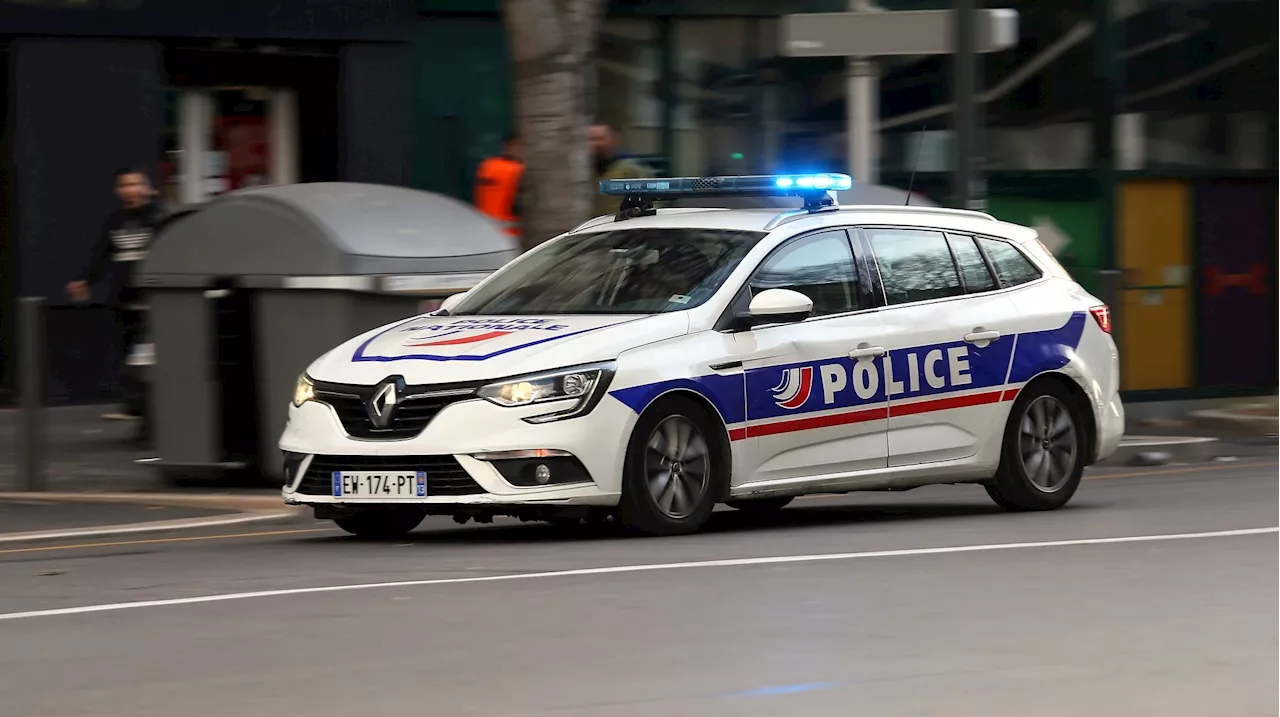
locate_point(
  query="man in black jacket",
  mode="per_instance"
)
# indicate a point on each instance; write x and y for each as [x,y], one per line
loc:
[123,244]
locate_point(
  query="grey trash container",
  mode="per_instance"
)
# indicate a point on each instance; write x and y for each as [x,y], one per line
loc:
[246,290]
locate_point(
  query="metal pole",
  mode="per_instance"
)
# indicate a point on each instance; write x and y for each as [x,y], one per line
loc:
[667,90]
[963,86]
[864,115]
[31,366]
[862,107]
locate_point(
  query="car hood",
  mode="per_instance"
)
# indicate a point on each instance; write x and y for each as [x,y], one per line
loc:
[449,349]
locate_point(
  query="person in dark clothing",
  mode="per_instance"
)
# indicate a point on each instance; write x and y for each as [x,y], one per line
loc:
[120,249]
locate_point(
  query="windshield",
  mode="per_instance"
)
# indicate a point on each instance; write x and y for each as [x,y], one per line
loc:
[627,271]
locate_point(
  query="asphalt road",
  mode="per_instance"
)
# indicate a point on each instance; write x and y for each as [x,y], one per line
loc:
[775,625]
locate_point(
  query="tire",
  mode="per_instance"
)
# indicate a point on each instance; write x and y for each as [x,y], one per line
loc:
[382,523]
[760,506]
[675,469]
[1043,451]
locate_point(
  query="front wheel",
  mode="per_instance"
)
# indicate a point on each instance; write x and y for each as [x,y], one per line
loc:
[1043,456]
[675,469]
[382,523]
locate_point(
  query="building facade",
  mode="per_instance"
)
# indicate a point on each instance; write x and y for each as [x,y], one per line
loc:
[1139,134]
[206,96]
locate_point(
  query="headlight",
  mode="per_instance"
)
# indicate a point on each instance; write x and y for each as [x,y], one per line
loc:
[586,384]
[304,391]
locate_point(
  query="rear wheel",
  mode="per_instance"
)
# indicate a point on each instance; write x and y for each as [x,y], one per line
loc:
[675,469]
[1043,455]
[760,505]
[382,523]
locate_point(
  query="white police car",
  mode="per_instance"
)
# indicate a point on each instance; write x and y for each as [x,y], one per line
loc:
[656,363]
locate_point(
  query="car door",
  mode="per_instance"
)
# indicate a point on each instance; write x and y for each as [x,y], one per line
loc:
[950,336]
[815,406]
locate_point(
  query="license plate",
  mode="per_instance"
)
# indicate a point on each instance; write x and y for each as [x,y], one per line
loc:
[373,485]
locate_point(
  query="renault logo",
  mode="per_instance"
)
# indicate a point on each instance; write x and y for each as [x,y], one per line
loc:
[382,405]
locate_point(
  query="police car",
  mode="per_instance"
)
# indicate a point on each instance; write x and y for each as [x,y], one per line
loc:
[651,365]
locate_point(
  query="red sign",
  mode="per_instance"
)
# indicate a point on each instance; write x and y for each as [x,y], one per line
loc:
[1254,281]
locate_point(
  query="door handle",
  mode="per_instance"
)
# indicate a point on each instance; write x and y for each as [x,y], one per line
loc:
[866,351]
[981,336]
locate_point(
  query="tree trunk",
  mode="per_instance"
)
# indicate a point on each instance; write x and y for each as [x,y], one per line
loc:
[551,44]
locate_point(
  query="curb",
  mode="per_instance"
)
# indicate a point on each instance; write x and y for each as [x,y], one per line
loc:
[155,526]
[212,501]
[1149,450]
[1236,423]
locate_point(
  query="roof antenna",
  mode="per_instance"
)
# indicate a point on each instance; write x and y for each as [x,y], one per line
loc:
[915,164]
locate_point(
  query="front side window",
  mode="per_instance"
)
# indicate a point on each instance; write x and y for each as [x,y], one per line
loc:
[1011,265]
[624,271]
[915,265]
[820,266]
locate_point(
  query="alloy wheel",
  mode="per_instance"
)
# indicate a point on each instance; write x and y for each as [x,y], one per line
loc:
[677,466]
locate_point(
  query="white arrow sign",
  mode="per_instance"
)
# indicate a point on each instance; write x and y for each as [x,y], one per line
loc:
[1051,235]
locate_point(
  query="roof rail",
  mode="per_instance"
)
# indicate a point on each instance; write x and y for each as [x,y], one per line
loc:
[791,216]
[940,210]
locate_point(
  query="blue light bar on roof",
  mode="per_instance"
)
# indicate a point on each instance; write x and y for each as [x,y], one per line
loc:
[776,185]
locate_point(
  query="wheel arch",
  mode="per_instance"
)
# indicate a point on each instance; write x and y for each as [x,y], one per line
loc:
[1081,402]
[719,426]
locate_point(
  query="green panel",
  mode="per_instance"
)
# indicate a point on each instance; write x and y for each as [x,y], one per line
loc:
[462,100]
[1075,218]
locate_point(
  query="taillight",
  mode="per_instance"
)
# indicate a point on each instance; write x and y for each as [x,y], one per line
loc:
[1102,314]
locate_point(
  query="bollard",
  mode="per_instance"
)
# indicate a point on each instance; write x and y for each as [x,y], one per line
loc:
[31,368]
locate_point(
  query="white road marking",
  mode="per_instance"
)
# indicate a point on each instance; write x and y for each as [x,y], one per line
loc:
[733,562]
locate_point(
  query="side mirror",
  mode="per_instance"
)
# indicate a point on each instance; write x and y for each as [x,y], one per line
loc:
[777,306]
[448,304]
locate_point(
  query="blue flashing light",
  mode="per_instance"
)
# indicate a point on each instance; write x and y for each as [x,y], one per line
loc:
[759,185]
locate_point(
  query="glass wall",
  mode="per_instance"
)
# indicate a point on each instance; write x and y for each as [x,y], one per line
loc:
[628,75]
[1199,88]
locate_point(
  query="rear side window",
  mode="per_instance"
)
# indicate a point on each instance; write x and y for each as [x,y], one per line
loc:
[915,265]
[1012,266]
[977,277]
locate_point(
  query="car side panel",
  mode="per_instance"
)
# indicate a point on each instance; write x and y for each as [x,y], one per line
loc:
[707,364]
[1078,349]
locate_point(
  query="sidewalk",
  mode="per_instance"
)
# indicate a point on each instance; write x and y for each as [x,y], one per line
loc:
[1248,418]
[84,452]
[88,455]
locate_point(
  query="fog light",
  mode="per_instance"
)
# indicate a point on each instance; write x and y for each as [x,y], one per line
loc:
[542,474]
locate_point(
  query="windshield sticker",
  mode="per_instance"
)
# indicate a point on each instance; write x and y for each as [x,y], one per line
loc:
[679,299]
[444,336]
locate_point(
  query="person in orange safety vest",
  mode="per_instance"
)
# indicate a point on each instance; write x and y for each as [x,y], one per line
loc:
[498,186]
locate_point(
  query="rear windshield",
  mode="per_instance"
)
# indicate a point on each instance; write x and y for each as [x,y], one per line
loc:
[624,271]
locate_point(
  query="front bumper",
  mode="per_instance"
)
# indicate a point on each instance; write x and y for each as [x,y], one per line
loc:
[446,451]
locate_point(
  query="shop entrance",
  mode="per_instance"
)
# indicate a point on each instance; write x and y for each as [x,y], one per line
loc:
[228,138]
[241,116]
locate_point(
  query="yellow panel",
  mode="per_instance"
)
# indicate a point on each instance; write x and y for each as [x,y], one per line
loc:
[1153,239]
[1154,351]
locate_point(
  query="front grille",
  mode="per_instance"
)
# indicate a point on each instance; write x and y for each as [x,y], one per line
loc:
[445,476]
[419,405]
